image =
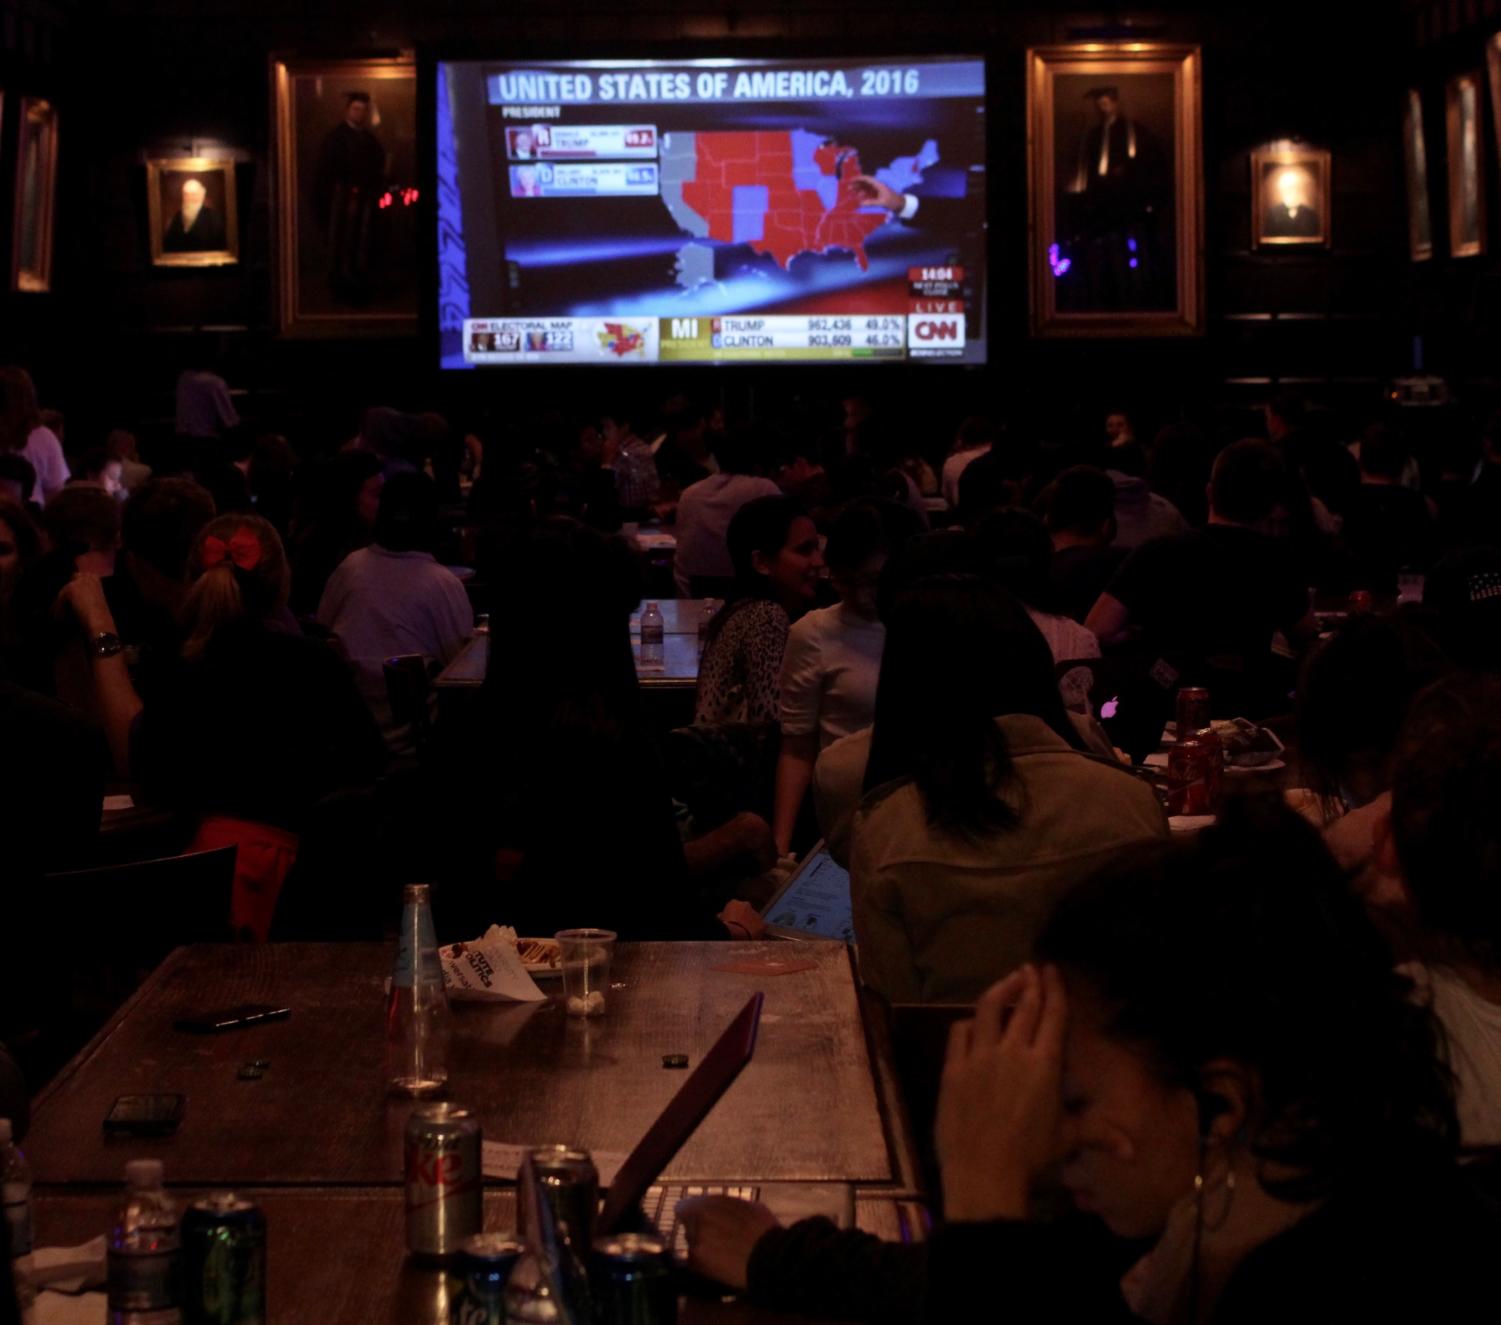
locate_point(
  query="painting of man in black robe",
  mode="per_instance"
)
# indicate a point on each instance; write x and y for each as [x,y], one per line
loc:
[1115,244]
[347,191]
[357,196]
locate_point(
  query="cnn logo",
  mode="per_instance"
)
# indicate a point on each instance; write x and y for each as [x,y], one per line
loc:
[934,331]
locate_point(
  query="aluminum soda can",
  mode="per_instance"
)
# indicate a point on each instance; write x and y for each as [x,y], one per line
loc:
[1193,710]
[1195,772]
[570,1183]
[484,1265]
[224,1262]
[444,1184]
[631,1283]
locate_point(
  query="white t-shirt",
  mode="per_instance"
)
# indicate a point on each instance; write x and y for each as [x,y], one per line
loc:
[1473,1027]
[953,470]
[1068,641]
[384,603]
[45,454]
[829,674]
[704,513]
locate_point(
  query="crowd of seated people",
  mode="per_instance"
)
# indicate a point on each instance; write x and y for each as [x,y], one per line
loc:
[1251,1055]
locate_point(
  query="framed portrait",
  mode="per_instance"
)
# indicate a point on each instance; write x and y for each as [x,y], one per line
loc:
[347,196]
[1290,197]
[1116,190]
[35,194]
[1493,65]
[1415,168]
[191,204]
[1466,177]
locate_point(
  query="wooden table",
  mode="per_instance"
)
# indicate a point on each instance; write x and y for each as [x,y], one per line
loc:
[316,1141]
[813,1105]
[339,1255]
[678,672]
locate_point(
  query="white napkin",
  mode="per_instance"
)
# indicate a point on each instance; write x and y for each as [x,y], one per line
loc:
[69,1269]
[489,969]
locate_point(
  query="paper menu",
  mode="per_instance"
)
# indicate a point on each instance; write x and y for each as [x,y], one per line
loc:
[488,969]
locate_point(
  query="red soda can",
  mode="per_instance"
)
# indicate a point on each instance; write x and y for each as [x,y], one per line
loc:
[1193,710]
[444,1184]
[1195,770]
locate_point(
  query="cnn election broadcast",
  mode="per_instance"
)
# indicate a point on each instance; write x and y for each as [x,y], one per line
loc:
[711,211]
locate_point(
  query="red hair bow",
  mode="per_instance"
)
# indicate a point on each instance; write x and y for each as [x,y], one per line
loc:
[243,549]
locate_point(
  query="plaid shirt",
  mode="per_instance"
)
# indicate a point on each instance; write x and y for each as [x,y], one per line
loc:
[636,480]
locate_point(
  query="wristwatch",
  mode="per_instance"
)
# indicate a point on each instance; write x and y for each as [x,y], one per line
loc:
[106,644]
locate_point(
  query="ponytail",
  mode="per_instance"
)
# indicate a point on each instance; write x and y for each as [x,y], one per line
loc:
[215,600]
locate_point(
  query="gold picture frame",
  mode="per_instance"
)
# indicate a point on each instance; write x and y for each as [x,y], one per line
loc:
[1466,163]
[1116,215]
[193,214]
[1493,67]
[1415,169]
[34,216]
[346,196]
[1291,195]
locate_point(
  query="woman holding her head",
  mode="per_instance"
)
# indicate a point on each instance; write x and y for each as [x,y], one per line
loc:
[1222,1055]
[259,723]
[774,548]
[1219,1062]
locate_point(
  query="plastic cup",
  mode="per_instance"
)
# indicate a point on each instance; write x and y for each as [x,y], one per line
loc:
[585,958]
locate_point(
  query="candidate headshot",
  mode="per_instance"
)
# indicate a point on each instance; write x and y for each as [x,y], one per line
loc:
[197,226]
[524,182]
[529,142]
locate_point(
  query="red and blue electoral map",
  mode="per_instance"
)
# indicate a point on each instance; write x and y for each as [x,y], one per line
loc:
[785,193]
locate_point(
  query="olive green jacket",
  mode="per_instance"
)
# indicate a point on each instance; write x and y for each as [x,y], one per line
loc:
[940,916]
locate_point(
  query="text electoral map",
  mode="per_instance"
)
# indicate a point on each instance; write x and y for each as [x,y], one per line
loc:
[784,193]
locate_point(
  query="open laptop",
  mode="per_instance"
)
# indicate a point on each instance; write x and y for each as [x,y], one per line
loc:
[814,903]
[684,1112]
[635,1184]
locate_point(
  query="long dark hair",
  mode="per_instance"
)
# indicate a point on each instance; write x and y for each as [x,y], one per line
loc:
[1247,943]
[19,415]
[563,669]
[1021,555]
[1354,693]
[1444,797]
[960,652]
[327,498]
[763,525]
[28,537]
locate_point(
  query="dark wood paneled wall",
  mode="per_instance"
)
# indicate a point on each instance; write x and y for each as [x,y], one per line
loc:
[144,75]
